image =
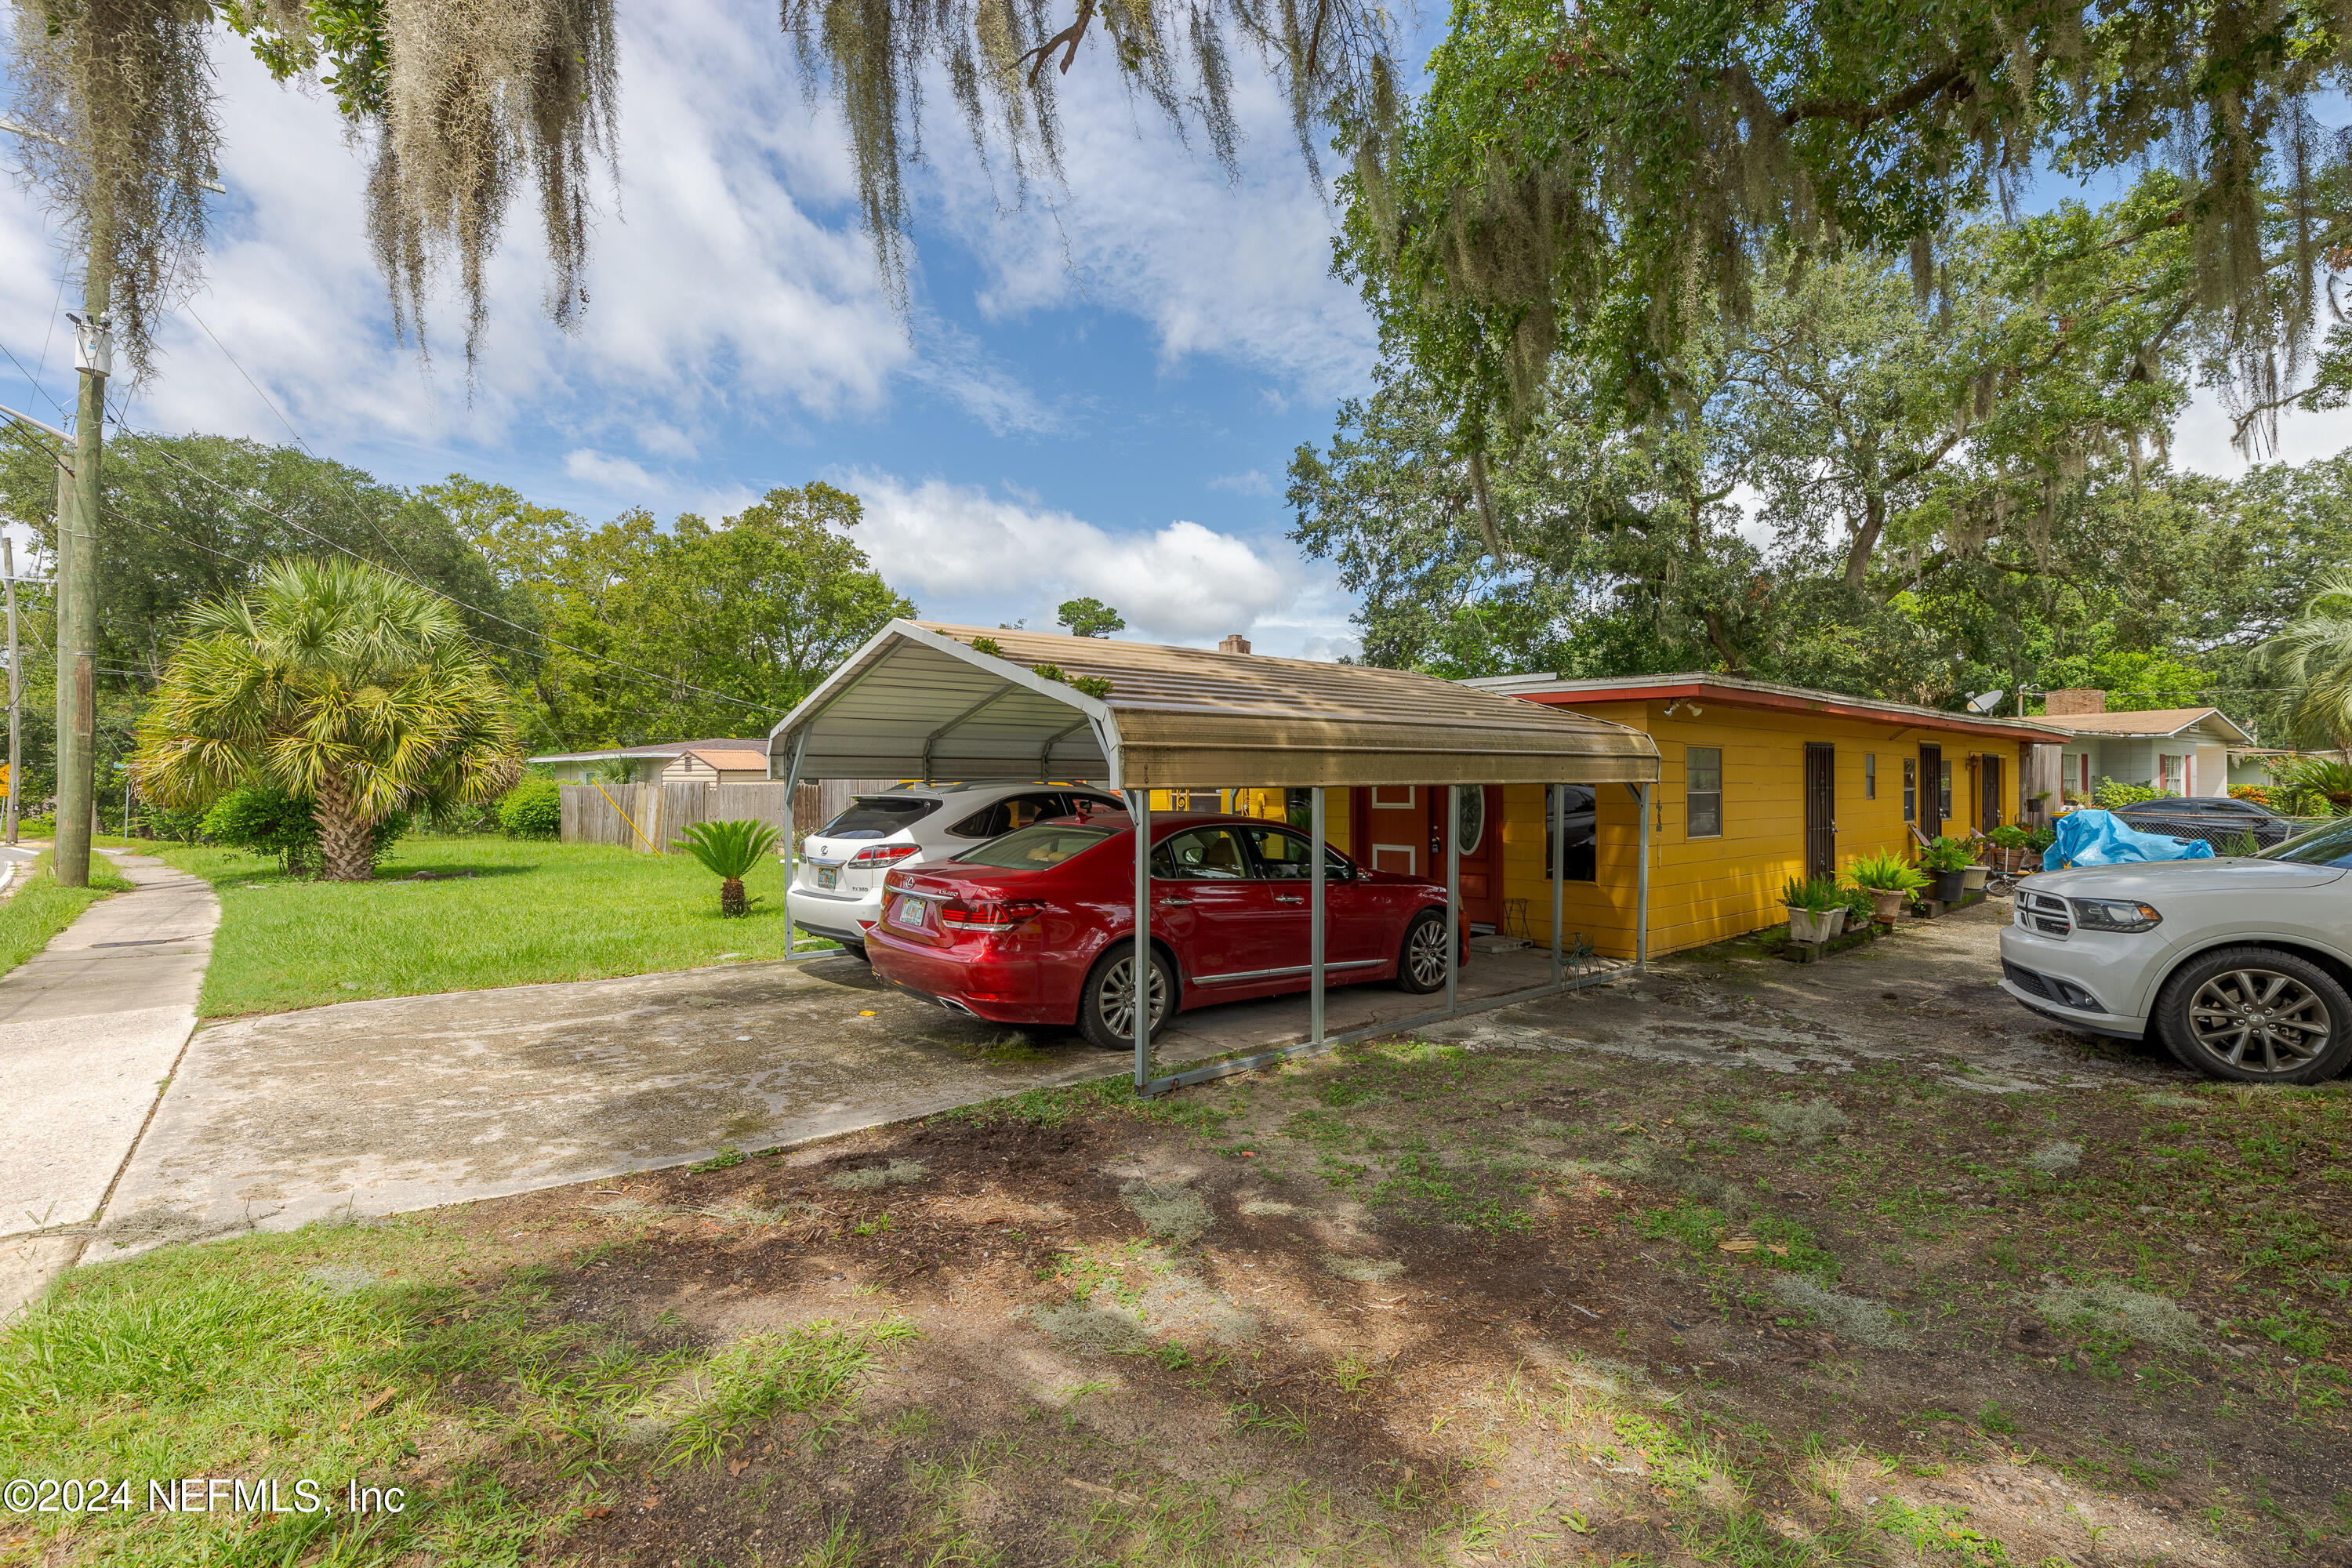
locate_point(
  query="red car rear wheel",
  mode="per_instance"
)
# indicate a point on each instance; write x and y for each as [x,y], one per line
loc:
[1107,1006]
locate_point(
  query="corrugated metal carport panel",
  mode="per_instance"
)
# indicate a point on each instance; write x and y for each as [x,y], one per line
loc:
[1180,716]
[907,711]
[1157,750]
[1188,714]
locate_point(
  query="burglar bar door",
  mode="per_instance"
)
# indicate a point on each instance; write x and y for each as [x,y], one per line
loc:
[1821,809]
[1988,781]
[1931,791]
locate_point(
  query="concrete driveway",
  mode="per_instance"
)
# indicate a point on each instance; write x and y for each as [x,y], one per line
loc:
[402,1103]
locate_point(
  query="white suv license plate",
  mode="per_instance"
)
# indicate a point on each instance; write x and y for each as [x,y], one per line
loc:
[828,876]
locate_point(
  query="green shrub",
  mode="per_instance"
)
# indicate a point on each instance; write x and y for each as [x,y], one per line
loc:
[2322,785]
[532,809]
[2111,796]
[263,819]
[2008,835]
[182,825]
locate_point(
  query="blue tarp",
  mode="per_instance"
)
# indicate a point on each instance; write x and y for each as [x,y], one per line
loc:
[2100,839]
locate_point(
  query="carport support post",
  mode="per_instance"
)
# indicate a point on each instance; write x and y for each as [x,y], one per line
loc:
[1453,892]
[1642,889]
[1315,830]
[1559,794]
[1139,806]
[792,787]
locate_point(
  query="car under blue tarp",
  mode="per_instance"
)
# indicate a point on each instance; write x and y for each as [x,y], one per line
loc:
[2102,839]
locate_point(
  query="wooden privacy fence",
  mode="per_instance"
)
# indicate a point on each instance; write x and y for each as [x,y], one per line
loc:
[648,816]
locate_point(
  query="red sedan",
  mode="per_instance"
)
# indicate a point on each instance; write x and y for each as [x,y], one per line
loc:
[1038,926]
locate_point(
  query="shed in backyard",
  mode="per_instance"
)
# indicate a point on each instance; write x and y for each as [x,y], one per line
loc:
[740,764]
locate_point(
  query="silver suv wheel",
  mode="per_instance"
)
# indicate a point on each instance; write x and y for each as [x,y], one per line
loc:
[2256,1014]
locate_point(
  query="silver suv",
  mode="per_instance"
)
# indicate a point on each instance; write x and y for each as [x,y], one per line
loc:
[2240,964]
[837,891]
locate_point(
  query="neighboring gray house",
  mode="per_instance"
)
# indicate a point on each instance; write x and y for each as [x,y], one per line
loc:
[2180,751]
[669,761]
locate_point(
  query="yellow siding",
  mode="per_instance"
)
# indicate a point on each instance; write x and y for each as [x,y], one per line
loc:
[1702,891]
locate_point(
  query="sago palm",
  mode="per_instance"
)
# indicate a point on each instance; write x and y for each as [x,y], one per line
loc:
[338,682]
[728,850]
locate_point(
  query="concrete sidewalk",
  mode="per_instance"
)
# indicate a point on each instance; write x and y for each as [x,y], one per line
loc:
[90,1028]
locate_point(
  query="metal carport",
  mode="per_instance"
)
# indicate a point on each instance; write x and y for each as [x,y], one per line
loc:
[928,702]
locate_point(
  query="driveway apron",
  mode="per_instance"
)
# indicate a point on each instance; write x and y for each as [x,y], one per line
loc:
[90,1028]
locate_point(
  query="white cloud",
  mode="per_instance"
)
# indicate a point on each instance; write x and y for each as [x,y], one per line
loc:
[714,292]
[616,474]
[962,553]
[1233,267]
[1251,483]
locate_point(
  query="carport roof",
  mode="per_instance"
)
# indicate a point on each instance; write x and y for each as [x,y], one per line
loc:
[919,701]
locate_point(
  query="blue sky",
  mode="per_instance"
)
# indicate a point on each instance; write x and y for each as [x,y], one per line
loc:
[1096,392]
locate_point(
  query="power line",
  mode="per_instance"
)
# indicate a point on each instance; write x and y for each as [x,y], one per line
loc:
[273,408]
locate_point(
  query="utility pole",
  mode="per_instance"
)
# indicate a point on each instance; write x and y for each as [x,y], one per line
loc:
[76,590]
[8,811]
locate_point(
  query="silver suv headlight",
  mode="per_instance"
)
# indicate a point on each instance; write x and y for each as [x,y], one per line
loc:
[2113,914]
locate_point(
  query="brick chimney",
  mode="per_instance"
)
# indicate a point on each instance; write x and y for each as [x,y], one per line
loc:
[2073,700]
[1234,644]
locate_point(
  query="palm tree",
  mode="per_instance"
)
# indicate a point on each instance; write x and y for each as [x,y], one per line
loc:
[338,682]
[728,850]
[2315,651]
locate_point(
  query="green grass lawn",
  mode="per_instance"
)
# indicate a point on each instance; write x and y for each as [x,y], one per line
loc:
[529,912]
[41,908]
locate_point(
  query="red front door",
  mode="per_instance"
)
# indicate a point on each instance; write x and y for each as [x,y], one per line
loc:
[1402,828]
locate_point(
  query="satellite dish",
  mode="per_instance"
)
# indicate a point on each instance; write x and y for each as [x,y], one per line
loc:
[1986,702]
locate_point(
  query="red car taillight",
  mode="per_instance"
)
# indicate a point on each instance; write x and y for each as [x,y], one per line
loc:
[883,853]
[958,915]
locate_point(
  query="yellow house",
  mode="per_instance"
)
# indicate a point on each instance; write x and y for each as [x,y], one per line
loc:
[1760,782]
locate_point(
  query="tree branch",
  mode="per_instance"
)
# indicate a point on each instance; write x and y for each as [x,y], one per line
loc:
[1861,115]
[1071,36]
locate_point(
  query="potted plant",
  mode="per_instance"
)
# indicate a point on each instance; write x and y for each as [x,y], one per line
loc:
[1816,909]
[1946,861]
[2010,842]
[1889,880]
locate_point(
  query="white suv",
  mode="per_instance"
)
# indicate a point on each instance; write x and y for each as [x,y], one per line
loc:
[2240,964]
[837,891]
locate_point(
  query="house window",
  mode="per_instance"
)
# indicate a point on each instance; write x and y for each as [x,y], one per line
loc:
[1702,792]
[1943,793]
[1582,819]
[2172,772]
[1910,789]
[1870,775]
